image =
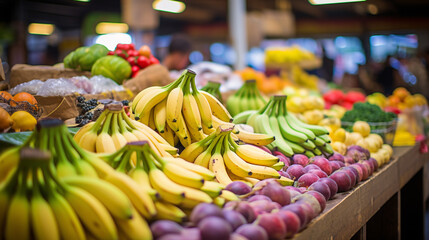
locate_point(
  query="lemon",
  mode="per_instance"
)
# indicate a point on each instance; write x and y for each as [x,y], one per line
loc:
[339,135]
[313,117]
[362,127]
[372,144]
[23,121]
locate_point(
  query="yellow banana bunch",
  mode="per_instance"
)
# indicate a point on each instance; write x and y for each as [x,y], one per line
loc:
[230,161]
[170,184]
[36,204]
[113,129]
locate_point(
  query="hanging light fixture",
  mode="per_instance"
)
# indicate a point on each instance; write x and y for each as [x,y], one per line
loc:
[322,2]
[170,6]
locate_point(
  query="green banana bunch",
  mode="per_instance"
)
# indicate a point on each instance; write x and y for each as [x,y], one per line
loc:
[36,204]
[292,135]
[246,98]
[213,88]
[169,184]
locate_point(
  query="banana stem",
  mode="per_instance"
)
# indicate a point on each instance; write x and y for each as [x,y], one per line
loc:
[234,145]
[124,162]
[107,123]
[128,121]
[99,121]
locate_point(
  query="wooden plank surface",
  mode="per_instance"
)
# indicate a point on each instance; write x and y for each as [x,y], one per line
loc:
[349,211]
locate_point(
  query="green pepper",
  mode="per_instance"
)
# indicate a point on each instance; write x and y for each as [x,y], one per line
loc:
[113,67]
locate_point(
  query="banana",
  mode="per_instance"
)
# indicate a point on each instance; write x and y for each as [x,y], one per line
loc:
[89,138]
[168,211]
[174,106]
[325,137]
[141,177]
[92,213]
[204,172]
[204,158]
[118,139]
[148,102]
[142,94]
[135,228]
[104,142]
[242,117]
[181,175]
[168,135]
[296,148]
[190,111]
[17,225]
[255,138]
[319,142]
[83,130]
[289,133]
[217,165]
[220,202]
[280,142]
[4,206]
[203,107]
[233,162]
[278,166]
[69,226]
[316,129]
[183,133]
[254,155]
[167,189]
[194,197]
[234,101]
[309,145]
[263,123]
[129,137]
[294,124]
[141,200]
[110,196]
[218,110]
[229,196]
[309,154]
[160,115]
[284,181]
[63,166]
[317,152]
[8,161]
[147,130]
[213,189]
[43,220]
[263,172]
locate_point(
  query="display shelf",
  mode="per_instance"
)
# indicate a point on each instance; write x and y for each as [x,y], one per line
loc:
[373,207]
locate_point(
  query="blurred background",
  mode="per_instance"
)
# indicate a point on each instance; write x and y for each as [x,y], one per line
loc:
[349,36]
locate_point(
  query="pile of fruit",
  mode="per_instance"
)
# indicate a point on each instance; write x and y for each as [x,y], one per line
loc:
[214,89]
[138,59]
[292,135]
[346,100]
[266,85]
[246,98]
[18,112]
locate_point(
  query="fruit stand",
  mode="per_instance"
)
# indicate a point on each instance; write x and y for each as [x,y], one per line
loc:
[175,162]
[381,207]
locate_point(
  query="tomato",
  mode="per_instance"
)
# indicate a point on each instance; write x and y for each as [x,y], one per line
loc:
[111,53]
[132,60]
[132,53]
[153,60]
[145,51]
[120,53]
[143,61]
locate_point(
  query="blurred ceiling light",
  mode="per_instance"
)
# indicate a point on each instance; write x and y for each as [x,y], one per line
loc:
[321,2]
[112,39]
[372,8]
[83,0]
[108,27]
[41,28]
[170,6]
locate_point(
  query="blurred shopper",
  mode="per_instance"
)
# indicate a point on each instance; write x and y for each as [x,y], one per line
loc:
[388,77]
[327,70]
[178,53]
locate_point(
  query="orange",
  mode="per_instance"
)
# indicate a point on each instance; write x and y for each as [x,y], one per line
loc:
[401,93]
[5,119]
[23,96]
[393,101]
[7,96]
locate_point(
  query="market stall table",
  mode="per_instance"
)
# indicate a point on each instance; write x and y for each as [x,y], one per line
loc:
[387,205]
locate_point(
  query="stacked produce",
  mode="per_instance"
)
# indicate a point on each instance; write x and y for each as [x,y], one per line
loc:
[214,89]
[18,112]
[36,203]
[230,161]
[171,182]
[346,100]
[179,114]
[138,59]
[246,98]
[265,84]
[292,135]
[268,211]
[83,58]
[113,129]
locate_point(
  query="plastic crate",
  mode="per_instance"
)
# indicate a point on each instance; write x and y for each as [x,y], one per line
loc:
[385,129]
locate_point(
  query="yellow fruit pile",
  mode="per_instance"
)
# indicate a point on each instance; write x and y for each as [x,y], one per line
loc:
[361,136]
